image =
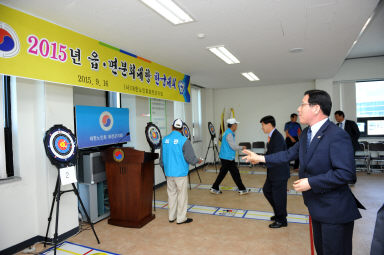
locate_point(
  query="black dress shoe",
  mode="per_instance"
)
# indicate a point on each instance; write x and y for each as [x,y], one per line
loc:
[171,221]
[188,220]
[273,217]
[277,224]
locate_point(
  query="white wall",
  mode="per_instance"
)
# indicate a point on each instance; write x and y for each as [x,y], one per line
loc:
[344,81]
[90,97]
[26,202]
[361,69]
[346,94]
[251,104]
[59,110]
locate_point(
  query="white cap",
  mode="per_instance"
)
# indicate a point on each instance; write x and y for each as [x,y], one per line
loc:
[177,123]
[232,121]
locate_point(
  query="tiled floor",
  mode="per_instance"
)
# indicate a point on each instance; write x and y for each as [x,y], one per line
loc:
[223,235]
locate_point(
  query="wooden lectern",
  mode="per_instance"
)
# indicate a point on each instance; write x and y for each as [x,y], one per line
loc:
[130,178]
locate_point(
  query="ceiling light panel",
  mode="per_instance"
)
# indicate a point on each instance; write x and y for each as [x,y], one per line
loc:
[224,54]
[250,76]
[169,10]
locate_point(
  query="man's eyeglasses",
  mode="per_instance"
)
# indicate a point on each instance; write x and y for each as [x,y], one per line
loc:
[302,105]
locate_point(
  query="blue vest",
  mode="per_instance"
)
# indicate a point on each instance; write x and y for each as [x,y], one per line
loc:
[173,157]
[226,151]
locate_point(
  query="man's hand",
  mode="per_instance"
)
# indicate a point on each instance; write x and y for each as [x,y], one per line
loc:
[200,161]
[301,185]
[252,157]
[292,139]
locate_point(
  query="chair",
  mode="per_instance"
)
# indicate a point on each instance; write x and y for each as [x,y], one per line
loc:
[241,154]
[376,153]
[362,157]
[259,148]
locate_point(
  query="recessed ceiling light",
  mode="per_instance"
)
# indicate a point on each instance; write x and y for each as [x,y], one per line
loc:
[169,10]
[224,54]
[201,35]
[250,76]
[296,50]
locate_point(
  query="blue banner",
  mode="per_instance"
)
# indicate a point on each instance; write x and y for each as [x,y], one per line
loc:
[98,126]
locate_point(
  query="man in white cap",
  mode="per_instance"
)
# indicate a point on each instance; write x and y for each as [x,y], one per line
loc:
[175,155]
[227,157]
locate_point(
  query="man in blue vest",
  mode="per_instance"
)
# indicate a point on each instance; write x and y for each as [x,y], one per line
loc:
[175,155]
[227,157]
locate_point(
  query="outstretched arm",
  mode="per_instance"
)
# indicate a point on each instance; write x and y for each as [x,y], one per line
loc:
[253,157]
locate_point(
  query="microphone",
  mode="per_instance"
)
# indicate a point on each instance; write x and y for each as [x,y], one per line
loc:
[127,134]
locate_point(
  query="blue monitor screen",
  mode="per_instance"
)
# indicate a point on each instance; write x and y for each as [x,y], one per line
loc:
[98,126]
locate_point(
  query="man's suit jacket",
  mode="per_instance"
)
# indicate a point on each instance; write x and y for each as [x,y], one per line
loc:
[276,144]
[353,130]
[329,166]
[377,246]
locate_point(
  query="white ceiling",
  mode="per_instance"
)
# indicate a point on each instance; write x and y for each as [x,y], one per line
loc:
[259,33]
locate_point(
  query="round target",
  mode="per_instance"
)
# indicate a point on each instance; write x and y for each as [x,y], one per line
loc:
[186,131]
[153,135]
[60,146]
[211,129]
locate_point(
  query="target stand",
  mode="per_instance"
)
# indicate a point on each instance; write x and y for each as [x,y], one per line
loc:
[187,134]
[212,132]
[61,149]
[154,139]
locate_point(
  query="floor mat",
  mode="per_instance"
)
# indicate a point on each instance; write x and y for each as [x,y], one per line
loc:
[67,248]
[237,213]
[245,172]
[255,190]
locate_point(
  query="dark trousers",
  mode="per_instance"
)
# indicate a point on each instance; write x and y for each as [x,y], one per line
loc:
[232,167]
[276,194]
[289,145]
[333,239]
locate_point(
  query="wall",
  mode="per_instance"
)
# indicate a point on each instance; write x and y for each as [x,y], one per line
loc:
[251,104]
[361,69]
[355,70]
[26,202]
[90,97]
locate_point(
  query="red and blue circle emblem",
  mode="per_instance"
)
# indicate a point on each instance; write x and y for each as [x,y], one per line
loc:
[118,155]
[9,42]
[106,121]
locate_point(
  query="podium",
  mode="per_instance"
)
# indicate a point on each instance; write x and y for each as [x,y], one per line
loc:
[130,179]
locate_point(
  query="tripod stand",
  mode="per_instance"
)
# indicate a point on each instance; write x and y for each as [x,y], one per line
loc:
[56,196]
[214,150]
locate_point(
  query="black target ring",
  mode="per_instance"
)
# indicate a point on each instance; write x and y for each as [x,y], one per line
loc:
[60,146]
[153,135]
[211,129]
[186,131]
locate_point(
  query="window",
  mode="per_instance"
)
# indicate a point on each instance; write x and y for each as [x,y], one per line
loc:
[196,113]
[6,153]
[370,107]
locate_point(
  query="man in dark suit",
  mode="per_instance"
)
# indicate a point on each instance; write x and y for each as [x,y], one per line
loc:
[326,166]
[350,127]
[377,246]
[275,186]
